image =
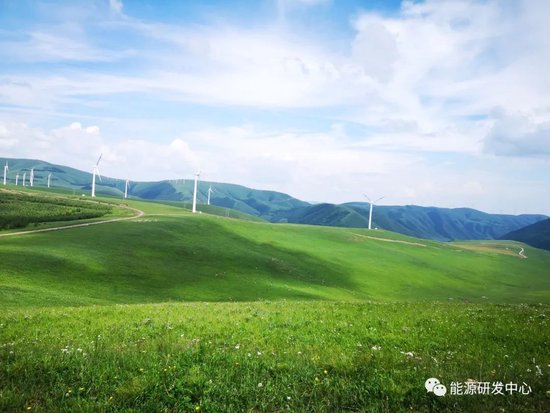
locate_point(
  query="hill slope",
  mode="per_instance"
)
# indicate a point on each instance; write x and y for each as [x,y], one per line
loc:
[170,254]
[537,235]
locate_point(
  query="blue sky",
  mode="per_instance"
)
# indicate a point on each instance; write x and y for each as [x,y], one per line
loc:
[442,103]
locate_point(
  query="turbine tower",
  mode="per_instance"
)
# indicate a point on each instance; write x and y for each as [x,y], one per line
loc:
[371,204]
[197,175]
[209,192]
[24,177]
[126,188]
[49,179]
[96,172]
[17,179]
[6,169]
[31,178]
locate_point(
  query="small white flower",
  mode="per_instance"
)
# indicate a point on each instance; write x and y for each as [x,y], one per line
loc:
[238,346]
[260,385]
[376,348]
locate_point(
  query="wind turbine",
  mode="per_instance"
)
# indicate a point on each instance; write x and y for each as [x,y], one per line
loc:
[126,188]
[6,169]
[17,179]
[371,204]
[96,172]
[49,179]
[209,192]
[24,177]
[31,178]
[197,175]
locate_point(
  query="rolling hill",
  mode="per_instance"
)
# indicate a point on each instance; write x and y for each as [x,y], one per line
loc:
[537,235]
[172,255]
[441,224]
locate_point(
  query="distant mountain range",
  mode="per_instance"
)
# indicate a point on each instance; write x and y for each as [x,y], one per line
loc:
[441,224]
[537,235]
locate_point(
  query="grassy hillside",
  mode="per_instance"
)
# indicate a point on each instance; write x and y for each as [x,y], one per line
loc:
[537,235]
[350,325]
[171,254]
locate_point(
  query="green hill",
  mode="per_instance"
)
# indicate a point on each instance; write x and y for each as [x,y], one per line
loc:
[170,254]
[537,235]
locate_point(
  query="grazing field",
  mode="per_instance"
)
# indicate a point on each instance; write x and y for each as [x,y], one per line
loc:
[272,357]
[177,312]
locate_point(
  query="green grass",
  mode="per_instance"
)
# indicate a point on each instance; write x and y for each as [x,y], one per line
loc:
[181,256]
[257,317]
[271,357]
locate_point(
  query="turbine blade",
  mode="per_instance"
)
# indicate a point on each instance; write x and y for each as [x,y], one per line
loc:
[98,175]
[98,159]
[366,196]
[379,199]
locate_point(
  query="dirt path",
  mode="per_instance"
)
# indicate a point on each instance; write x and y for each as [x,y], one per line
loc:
[417,244]
[521,254]
[138,214]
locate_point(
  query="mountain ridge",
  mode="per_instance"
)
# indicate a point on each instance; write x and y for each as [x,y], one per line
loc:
[442,224]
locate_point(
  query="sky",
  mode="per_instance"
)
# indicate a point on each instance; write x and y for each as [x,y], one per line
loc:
[435,103]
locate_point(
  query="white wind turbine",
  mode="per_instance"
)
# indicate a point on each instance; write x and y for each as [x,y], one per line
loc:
[371,204]
[210,190]
[24,177]
[126,188]
[197,175]
[17,179]
[49,179]
[6,169]
[96,172]
[31,178]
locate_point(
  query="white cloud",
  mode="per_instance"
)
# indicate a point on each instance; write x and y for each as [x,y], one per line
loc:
[518,135]
[116,6]
[423,81]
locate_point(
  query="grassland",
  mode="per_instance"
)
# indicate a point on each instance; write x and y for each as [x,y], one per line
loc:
[180,312]
[271,357]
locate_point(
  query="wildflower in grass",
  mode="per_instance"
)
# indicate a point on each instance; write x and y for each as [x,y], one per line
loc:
[288,398]
[237,346]
[376,348]
[197,408]
[260,385]
[326,372]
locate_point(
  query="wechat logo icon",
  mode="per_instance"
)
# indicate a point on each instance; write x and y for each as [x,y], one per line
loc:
[434,386]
